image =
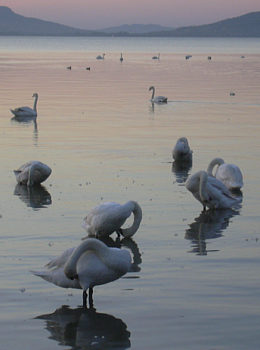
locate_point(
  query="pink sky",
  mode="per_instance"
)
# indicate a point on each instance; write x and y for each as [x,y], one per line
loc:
[97,14]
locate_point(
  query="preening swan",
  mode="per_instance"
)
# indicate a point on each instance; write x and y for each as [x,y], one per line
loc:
[156,57]
[182,151]
[92,263]
[26,111]
[99,57]
[108,217]
[32,173]
[229,174]
[211,192]
[157,99]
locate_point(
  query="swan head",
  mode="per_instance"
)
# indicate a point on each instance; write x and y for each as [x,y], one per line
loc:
[151,88]
[35,94]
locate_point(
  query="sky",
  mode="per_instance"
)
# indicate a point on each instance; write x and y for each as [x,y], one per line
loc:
[98,14]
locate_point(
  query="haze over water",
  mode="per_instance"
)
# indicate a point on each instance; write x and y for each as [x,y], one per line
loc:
[198,284]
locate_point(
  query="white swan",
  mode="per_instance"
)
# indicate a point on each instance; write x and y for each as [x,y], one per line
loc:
[26,111]
[156,57]
[229,174]
[32,173]
[157,99]
[99,57]
[182,151]
[92,263]
[108,217]
[211,192]
[121,58]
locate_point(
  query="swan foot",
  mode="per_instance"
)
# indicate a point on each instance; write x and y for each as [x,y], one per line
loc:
[119,232]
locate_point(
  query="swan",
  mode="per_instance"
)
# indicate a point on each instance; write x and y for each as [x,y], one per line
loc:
[156,57]
[90,264]
[108,217]
[157,99]
[32,173]
[229,174]
[121,58]
[182,151]
[99,57]
[211,192]
[26,111]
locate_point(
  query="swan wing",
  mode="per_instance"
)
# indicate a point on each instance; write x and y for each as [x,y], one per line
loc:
[61,260]
[230,175]
[160,99]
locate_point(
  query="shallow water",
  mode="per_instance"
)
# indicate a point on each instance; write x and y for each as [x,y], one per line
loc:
[198,283]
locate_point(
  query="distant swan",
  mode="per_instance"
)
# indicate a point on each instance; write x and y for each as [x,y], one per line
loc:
[182,151]
[157,99]
[99,57]
[92,263]
[156,57]
[121,58]
[210,192]
[108,217]
[229,174]
[32,173]
[26,111]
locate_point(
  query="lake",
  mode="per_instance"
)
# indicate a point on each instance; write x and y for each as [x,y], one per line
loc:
[196,279]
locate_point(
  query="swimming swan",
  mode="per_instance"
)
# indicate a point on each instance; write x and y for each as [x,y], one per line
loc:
[108,217]
[99,57]
[92,263]
[32,173]
[26,111]
[211,192]
[156,57]
[121,58]
[182,151]
[229,174]
[157,99]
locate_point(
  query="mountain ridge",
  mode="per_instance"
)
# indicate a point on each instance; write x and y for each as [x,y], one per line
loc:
[247,25]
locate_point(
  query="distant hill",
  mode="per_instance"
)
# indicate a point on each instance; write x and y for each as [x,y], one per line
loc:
[136,28]
[243,26]
[14,24]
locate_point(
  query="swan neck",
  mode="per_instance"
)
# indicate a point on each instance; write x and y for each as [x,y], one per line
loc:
[98,247]
[213,163]
[35,102]
[202,187]
[137,211]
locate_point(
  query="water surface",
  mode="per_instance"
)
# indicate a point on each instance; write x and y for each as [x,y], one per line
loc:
[196,283]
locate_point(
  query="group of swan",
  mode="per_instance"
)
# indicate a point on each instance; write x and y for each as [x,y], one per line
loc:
[216,191]
[23,112]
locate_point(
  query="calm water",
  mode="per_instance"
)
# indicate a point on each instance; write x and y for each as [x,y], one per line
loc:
[198,284]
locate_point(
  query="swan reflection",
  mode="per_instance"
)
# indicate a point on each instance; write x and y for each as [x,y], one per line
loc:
[35,197]
[181,170]
[127,243]
[27,121]
[209,225]
[83,329]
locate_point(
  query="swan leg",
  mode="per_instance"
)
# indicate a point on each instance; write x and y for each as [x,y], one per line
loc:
[90,297]
[84,298]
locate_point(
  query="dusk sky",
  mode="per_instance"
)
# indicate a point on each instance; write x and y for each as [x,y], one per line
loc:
[90,14]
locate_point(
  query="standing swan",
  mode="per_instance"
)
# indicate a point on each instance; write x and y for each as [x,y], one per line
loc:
[108,217]
[92,263]
[157,99]
[229,174]
[182,151]
[99,57]
[23,112]
[211,192]
[32,173]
